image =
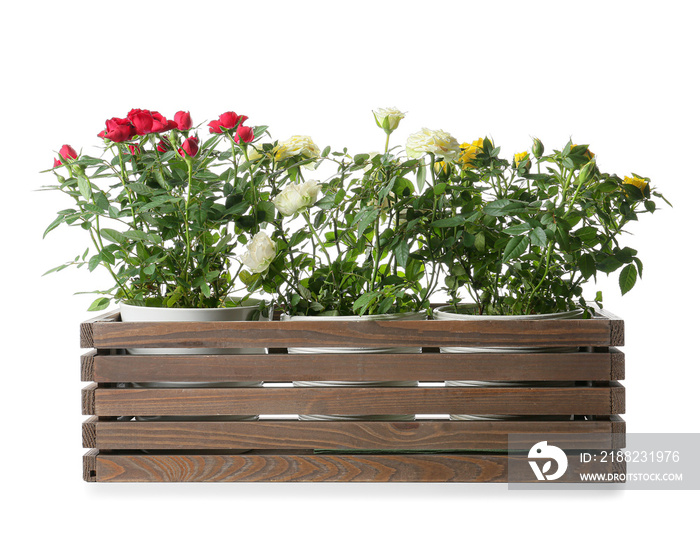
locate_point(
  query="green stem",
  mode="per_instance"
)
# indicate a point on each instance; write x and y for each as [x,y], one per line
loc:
[187,217]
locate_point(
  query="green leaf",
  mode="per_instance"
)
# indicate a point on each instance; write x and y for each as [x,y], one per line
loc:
[516,230]
[457,220]
[516,246]
[57,221]
[538,237]
[99,304]
[628,277]
[480,241]
[112,235]
[420,177]
[587,265]
[402,253]
[84,187]
[365,219]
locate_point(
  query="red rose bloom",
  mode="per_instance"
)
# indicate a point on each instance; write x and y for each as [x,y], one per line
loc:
[227,120]
[146,121]
[68,151]
[245,134]
[190,147]
[134,149]
[162,146]
[118,130]
[183,120]
[57,162]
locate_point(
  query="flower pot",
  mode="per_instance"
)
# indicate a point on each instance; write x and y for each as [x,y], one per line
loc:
[357,350]
[443,313]
[131,313]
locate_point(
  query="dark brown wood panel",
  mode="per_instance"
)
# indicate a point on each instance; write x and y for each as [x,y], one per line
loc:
[594,400]
[115,334]
[592,366]
[258,466]
[328,435]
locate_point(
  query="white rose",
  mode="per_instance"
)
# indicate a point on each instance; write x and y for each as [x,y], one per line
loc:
[438,142]
[260,253]
[295,145]
[389,116]
[295,197]
[254,151]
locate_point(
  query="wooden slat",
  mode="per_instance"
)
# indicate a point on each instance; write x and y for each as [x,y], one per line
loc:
[592,332]
[595,400]
[338,435]
[579,366]
[87,327]
[266,467]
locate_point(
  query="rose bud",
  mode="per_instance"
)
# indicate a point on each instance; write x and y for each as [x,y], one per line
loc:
[57,162]
[537,148]
[190,147]
[183,120]
[68,151]
[245,134]
[162,146]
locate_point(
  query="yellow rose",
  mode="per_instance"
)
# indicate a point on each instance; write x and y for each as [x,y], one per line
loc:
[436,142]
[469,152]
[588,154]
[297,145]
[641,184]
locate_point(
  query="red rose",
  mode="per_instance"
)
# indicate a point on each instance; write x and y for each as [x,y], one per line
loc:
[68,151]
[57,162]
[146,121]
[118,130]
[134,149]
[162,146]
[245,134]
[183,120]
[190,146]
[227,120]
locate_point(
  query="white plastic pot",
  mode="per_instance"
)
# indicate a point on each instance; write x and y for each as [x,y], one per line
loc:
[131,313]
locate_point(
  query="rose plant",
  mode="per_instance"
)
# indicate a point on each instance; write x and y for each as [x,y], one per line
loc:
[522,236]
[343,245]
[166,214]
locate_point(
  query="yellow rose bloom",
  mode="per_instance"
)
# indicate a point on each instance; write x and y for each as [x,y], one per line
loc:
[520,156]
[469,152]
[588,154]
[641,184]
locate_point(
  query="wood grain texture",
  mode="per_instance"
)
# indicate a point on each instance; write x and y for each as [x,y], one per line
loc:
[617,398]
[87,327]
[88,399]
[578,366]
[580,400]
[261,467]
[90,466]
[114,334]
[423,435]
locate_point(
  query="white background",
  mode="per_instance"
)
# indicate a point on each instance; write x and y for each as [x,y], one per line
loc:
[620,76]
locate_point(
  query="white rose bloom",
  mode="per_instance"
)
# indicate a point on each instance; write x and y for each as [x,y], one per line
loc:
[295,197]
[438,142]
[393,115]
[260,253]
[295,145]
[254,151]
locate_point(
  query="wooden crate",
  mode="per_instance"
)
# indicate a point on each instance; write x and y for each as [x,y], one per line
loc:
[427,449]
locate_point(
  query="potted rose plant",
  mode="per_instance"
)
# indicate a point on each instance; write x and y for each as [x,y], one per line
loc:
[522,236]
[167,215]
[345,247]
